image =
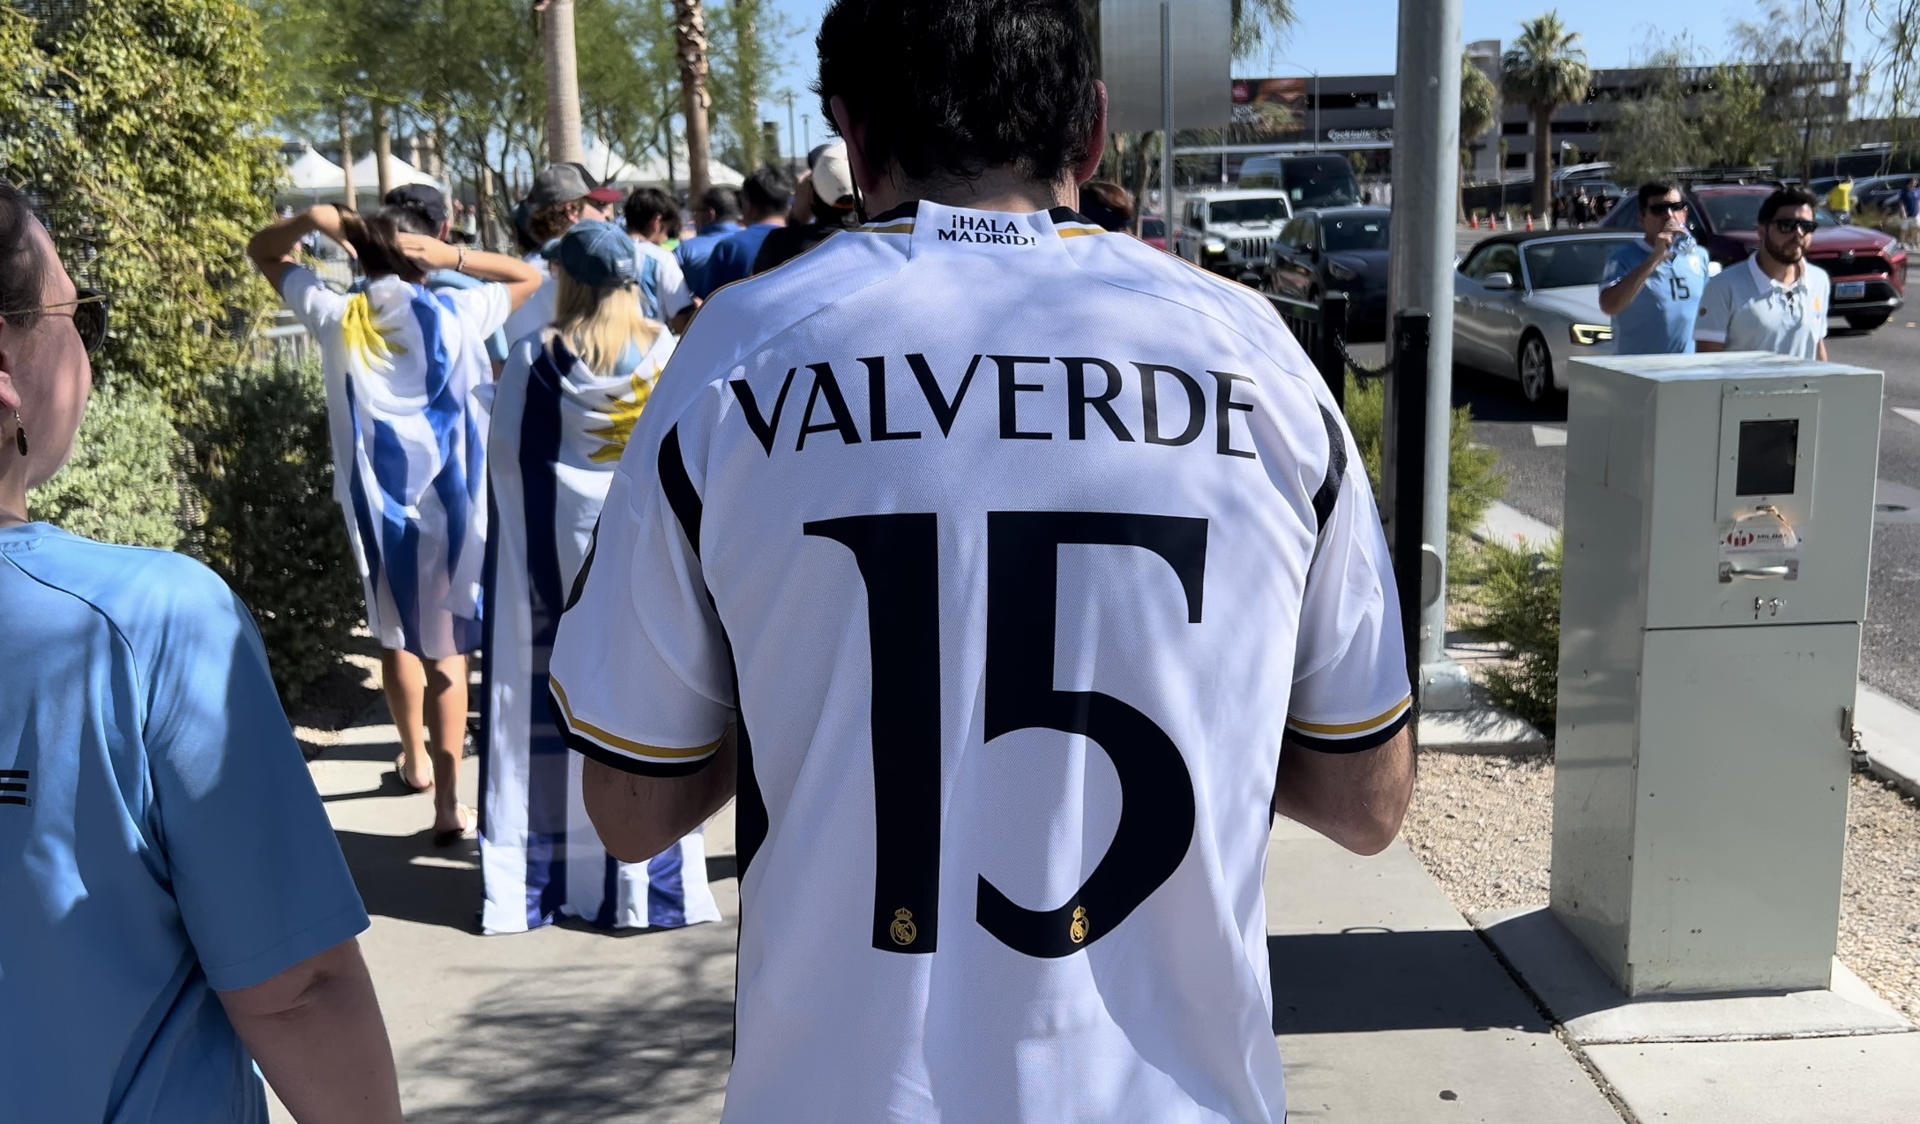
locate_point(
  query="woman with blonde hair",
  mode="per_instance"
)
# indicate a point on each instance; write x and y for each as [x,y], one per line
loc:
[401,362]
[562,413]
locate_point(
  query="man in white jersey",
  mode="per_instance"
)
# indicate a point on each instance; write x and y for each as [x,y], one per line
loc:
[991,559]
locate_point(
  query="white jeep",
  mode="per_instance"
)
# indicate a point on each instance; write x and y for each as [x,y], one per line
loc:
[1231,232]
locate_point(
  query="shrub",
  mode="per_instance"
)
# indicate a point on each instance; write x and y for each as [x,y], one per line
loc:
[1475,481]
[263,467]
[122,484]
[1520,598]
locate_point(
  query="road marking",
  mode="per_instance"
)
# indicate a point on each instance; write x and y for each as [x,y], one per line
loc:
[1909,414]
[1548,437]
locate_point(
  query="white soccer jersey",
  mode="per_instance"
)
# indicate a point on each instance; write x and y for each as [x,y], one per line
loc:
[1015,549]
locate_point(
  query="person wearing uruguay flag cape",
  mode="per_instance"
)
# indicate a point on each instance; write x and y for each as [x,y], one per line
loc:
[401,361]
[561,416]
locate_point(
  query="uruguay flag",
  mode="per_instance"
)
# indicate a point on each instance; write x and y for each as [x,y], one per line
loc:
[558,430]
[412,472]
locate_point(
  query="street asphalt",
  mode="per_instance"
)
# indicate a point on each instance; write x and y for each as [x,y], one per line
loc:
[1532,447]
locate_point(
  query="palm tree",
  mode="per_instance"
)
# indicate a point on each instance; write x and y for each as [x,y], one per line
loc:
[1545,69]
[690,42]
[563,82]
[1479,109]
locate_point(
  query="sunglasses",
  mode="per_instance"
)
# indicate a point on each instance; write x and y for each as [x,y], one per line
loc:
[1666,208]
[87,310]
[1795,226]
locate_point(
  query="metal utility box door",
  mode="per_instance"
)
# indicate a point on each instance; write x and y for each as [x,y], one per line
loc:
[1719,519]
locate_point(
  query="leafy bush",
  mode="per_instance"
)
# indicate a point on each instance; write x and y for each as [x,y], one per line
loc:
[139,126]
[1475,481]
[121,485]
[263,467]
[1520,599]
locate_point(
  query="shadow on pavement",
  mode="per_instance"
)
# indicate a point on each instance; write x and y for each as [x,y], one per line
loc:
[588,1045]
[1372,980]
[407,878]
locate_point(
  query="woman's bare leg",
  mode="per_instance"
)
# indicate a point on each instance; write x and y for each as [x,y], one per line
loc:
[404,679]
[446,714]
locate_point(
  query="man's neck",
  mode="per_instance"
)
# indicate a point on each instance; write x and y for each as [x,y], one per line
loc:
[1778,270]
[999,189]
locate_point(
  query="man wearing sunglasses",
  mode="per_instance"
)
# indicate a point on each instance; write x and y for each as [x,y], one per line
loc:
[1652,289]
[1776,300]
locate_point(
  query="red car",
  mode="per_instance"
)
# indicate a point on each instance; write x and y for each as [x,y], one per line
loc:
[1868,268]
[1153,231]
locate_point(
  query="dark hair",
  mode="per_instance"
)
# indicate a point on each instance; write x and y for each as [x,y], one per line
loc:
[1786,199]
[376,241]
[1654,192]
[947,89]
[23,276]
[768,191]
[1107,203]
[411,218]
[724,202]
[550,222]
[647,204]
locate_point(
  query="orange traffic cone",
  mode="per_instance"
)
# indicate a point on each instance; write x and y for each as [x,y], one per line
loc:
[1529,221]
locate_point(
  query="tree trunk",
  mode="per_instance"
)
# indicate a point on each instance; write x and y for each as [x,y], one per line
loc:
[346,154]
[1542,162]
[382,149]
[563,84]
[690,40]
[483,207]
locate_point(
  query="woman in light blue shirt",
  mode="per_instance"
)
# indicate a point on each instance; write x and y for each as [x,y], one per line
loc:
[173,905]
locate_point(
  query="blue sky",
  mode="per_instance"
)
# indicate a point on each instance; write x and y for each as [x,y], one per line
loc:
[1340,37]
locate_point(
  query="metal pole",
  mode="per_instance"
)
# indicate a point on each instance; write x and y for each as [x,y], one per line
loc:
[1171,215]
[1316,111]
[1426,171]
[791,135]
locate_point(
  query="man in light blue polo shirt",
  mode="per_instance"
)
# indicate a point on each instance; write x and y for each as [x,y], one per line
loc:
[1652,288]
[1776,300]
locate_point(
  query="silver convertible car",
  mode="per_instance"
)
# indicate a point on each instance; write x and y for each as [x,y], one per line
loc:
[1525,304]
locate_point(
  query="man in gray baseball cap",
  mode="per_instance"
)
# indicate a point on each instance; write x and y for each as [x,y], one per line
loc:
[562,195]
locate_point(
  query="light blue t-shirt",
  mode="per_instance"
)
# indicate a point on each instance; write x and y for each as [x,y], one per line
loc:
[1660,319]
[695,252]
[159,837]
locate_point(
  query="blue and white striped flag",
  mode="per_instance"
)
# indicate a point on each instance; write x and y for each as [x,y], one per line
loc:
[414,479]
[558,431]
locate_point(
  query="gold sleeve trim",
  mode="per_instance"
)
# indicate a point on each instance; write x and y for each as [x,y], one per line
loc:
[615,742]
[1347,729]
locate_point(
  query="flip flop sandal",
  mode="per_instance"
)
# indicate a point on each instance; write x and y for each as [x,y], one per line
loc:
[447,837]
[400,770]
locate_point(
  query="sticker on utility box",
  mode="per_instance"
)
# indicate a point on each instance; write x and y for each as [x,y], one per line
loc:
[1758,546]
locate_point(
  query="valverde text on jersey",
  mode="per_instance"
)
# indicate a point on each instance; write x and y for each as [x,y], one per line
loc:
[1028,411]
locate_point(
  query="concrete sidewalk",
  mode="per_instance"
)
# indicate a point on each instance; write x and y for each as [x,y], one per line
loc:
[1389,1008]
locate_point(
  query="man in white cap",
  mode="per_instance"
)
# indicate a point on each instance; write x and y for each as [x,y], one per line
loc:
[825,196]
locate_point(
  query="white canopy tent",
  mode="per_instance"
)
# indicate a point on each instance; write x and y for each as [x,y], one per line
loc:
[315,174]
[366,175]
[608,166]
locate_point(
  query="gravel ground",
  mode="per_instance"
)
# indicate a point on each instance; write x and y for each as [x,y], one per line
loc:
[1484,827]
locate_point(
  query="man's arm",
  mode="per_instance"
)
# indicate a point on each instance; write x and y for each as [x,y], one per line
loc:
[1358,800]
[1615,298]
[639,817]
[317,1033]
[272,250]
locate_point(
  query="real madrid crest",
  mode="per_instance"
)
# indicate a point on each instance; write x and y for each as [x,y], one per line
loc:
[903,930]
[1077,931]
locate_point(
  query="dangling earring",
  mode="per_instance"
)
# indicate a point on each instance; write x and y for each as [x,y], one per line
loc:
[19,434]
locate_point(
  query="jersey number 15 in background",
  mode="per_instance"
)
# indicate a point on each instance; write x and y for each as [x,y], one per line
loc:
[898,556]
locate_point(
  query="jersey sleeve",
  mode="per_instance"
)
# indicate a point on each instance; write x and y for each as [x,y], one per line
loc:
[641,674]
[670,285]
[254,866]
[1350,689]
[312,303]
[1716,308]
[1620,263]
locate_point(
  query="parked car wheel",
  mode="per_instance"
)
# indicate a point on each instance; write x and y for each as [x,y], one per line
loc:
[1867,321]
[1536,369]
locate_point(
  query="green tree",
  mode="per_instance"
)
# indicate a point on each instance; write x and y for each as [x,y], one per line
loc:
[1657,130]
[740,76]
[1479,111]
[141,126]
[1545,69]
[627,75]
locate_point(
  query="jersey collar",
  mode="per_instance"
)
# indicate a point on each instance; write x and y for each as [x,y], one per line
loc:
[1766,283]
[934,227]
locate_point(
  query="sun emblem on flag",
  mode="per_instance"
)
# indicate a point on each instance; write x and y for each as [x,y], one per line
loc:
[1077,931]
[362,336]
[903,931]
[621,413]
